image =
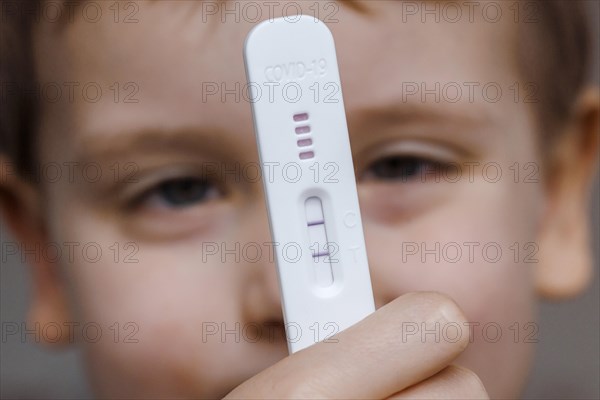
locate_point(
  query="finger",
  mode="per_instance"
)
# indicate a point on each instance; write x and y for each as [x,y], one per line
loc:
[375,358]
[452,382]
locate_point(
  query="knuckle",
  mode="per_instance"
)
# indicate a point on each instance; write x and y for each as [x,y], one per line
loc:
[469,381]
[305,389]
[440,303]
[452,317]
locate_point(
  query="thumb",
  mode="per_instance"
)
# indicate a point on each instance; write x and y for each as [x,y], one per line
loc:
[375,358]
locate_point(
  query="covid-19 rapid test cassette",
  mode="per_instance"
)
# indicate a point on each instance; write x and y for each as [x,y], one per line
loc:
[308,177]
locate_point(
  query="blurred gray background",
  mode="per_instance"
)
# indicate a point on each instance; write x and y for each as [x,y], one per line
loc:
[567,363]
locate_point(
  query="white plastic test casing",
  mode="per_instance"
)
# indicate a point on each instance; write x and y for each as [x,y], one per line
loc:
[308,176]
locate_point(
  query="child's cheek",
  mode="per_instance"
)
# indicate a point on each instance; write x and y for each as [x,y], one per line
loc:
[464,246]
[146,307]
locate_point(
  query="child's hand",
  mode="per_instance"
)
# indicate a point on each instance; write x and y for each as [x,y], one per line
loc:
[384,356]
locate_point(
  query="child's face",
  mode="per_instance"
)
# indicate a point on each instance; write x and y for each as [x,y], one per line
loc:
[420,234]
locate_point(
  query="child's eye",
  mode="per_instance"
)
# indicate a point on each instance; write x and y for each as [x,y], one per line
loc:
[402,168]
[179,193]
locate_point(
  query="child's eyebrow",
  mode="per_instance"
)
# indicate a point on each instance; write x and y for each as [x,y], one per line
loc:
[126,143]
[393,113]
[219,143]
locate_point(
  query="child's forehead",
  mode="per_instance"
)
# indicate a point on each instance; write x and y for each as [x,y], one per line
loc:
[209,35]
[172,53]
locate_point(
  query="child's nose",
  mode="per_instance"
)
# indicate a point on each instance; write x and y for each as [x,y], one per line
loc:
[261,297]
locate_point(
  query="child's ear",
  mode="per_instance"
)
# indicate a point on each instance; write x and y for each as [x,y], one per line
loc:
[20,206]
[565,259]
